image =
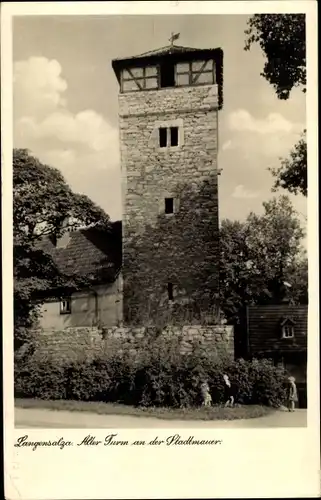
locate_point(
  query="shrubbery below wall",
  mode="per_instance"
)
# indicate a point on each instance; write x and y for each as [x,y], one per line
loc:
[156,374]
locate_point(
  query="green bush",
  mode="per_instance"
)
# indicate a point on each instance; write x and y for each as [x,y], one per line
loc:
[267,382]
[86,381]
[43,380]
[156,374]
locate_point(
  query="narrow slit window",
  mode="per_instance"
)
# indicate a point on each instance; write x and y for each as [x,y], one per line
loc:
[162,137]
[167,75]
[174,136]
[170,290]
[169,205]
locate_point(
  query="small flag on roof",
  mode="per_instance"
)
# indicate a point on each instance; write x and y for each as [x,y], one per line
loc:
[175,36]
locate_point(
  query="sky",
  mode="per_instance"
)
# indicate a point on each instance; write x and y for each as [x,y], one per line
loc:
[66,102]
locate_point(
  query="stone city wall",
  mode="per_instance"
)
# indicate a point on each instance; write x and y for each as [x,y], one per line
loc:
[85,343]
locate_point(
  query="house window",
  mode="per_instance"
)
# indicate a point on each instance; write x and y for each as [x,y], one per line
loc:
[287,331]
[170,291]
[169,205]
[168,137]
[65,306]
[167,75]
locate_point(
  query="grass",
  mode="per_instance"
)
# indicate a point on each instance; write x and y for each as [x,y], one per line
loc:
[100,408]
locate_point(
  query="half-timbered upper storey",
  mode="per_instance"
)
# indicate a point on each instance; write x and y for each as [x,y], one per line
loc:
[168,67]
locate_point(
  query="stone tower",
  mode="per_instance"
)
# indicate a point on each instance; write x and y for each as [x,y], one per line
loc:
[168,121]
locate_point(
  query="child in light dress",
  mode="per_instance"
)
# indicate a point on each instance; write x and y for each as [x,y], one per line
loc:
[292,394]
[229,398]
[206,396]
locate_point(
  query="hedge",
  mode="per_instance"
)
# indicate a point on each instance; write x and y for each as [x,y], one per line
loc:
[154,375]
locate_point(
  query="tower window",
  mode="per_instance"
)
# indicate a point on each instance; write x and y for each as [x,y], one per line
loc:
[167,75]
[168,136]
[162,137]
[170,290]
[196,73]
[169,205]
[174,136]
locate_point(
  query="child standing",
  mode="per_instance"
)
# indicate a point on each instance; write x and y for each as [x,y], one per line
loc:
[293,394]
[206,395]
[229,398]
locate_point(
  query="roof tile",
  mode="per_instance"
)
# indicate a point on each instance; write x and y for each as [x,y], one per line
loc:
[89,252]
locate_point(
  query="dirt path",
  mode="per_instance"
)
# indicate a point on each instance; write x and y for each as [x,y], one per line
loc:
[43,418]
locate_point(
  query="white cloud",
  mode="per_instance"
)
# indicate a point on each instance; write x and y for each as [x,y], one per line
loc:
[260,140]
[87,128]
[241,193]
[227,145]
[60,158]
[38,86]
[76,143]
[242,120]
[41,111]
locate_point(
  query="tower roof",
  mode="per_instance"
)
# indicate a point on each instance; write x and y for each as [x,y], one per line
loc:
[167,50]
[174,52]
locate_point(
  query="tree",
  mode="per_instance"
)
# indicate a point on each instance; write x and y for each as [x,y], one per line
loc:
[292,173]
[261,259]
[298,275]
[282,40]
[42,203]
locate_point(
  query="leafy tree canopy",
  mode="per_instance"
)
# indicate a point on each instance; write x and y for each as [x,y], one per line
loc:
[282,40]
[43,205]
[43,201]
[291,174]
[261,259]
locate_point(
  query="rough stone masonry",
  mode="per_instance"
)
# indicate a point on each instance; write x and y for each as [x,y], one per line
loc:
[178,250]
[85,343]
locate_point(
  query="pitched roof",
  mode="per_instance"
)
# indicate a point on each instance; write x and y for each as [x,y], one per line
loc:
[174,54]
[177,52]
[162,51]
[286,320]
[93,253]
